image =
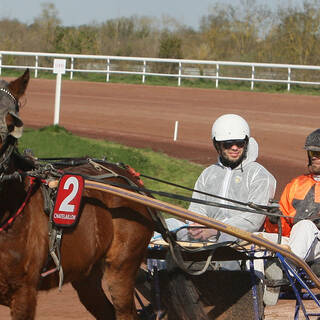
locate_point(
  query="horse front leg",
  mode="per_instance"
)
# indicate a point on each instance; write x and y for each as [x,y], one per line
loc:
[23,304]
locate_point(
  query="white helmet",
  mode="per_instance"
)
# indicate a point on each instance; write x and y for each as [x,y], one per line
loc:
[230,127]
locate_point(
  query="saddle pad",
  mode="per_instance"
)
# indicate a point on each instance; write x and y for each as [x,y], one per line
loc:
[68,200]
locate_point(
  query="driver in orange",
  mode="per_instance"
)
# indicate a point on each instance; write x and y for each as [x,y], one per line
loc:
[300,202]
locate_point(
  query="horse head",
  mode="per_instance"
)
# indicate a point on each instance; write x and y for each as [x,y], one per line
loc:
[11,126]
[10,93]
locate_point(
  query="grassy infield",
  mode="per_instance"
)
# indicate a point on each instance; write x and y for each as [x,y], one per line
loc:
[57,142]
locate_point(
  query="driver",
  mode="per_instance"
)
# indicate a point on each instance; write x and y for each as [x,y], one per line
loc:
[236,175]
[299,201]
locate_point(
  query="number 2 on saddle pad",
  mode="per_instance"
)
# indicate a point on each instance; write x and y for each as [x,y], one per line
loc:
[68,200]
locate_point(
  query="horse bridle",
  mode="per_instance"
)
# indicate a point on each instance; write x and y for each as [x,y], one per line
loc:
[10,95]
[9,142]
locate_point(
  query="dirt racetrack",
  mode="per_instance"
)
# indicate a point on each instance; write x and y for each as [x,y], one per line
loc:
[144,116]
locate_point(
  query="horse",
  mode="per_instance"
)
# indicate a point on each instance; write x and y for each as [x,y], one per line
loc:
[111,236]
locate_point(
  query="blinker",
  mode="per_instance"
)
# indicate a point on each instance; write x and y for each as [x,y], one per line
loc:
[314,154]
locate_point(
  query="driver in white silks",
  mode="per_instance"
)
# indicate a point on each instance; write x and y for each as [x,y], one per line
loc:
[237,176]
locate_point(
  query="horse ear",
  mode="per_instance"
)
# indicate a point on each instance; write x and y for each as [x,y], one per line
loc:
[18,87]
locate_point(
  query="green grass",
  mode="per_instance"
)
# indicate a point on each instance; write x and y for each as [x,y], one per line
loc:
[173,82]
[55,141]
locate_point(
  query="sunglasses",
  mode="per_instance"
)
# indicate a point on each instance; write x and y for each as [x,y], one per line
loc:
[229,143]
[315,154]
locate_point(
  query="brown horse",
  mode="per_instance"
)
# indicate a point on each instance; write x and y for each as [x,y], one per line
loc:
[112,234]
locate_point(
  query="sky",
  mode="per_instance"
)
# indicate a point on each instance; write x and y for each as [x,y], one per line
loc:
[78,12]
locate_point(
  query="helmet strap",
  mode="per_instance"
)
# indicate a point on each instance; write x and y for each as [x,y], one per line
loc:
[216,145]
[309,159]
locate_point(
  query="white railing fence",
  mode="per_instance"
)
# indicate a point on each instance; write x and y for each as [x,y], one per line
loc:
[175,68]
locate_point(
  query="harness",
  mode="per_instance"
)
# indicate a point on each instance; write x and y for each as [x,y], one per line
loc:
[47,174]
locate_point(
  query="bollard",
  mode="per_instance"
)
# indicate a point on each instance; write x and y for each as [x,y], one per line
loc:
[175,136]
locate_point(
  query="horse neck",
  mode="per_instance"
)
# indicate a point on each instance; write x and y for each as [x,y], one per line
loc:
[12,192]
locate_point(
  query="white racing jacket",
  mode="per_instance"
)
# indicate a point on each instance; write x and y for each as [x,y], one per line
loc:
[249,182]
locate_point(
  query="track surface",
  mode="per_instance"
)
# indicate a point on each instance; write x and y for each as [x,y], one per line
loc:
[144,116]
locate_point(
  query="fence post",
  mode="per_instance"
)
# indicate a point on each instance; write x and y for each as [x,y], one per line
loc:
[179,77]
[252,77]
[59,68]
[144,71]
[175,134]
[71,67]
[0,63]
[289,78]
[217,75]
[36,69]
[108,70]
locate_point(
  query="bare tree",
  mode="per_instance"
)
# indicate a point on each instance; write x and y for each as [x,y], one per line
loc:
[296,37]
[45,26]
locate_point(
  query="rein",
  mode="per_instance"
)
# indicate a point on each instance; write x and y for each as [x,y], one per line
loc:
[75,162]
[44,170]
[19,175]
[189,199]
[184,198]
[249,204]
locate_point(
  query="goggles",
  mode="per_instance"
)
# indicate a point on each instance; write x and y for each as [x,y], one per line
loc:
[314,154]
[229,143]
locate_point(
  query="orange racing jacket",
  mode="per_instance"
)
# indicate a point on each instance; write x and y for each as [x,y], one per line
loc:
[300,199]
